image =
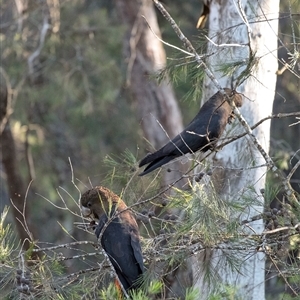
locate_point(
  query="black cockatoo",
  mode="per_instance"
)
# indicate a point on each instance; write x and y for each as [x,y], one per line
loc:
[201,133]
[120,239]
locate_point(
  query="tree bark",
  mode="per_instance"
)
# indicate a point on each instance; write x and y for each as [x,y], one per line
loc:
[3,101]
[227,26]
[157,108]
[15,183]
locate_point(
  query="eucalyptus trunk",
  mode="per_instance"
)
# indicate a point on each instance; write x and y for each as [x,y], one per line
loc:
[236,33]
[157,107]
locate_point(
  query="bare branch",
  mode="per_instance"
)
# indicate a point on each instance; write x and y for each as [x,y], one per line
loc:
[296,166]
[224,45]
[168,44]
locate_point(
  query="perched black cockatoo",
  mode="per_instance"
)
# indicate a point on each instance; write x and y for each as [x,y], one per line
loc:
[201,134]
[120,239]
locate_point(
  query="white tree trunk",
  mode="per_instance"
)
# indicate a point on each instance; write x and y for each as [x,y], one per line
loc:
[259,92]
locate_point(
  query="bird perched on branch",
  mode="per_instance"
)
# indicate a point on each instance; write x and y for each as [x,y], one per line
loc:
[201,134]
[118,232]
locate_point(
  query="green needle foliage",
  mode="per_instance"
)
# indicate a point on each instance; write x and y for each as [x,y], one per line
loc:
[186,223]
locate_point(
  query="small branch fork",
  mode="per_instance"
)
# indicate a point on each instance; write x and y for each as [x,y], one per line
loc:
[188,45]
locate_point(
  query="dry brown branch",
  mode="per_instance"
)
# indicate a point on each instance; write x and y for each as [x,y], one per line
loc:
[289,176]
[282,275]
[68,245]
[275,116]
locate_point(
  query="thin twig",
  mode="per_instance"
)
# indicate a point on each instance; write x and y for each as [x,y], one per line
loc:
[285,228]
[289,176]
[283,277]
[168,44]
[279,116]
[68,245]
[224,45]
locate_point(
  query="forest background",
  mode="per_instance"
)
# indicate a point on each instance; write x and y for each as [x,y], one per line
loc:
[71,123]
